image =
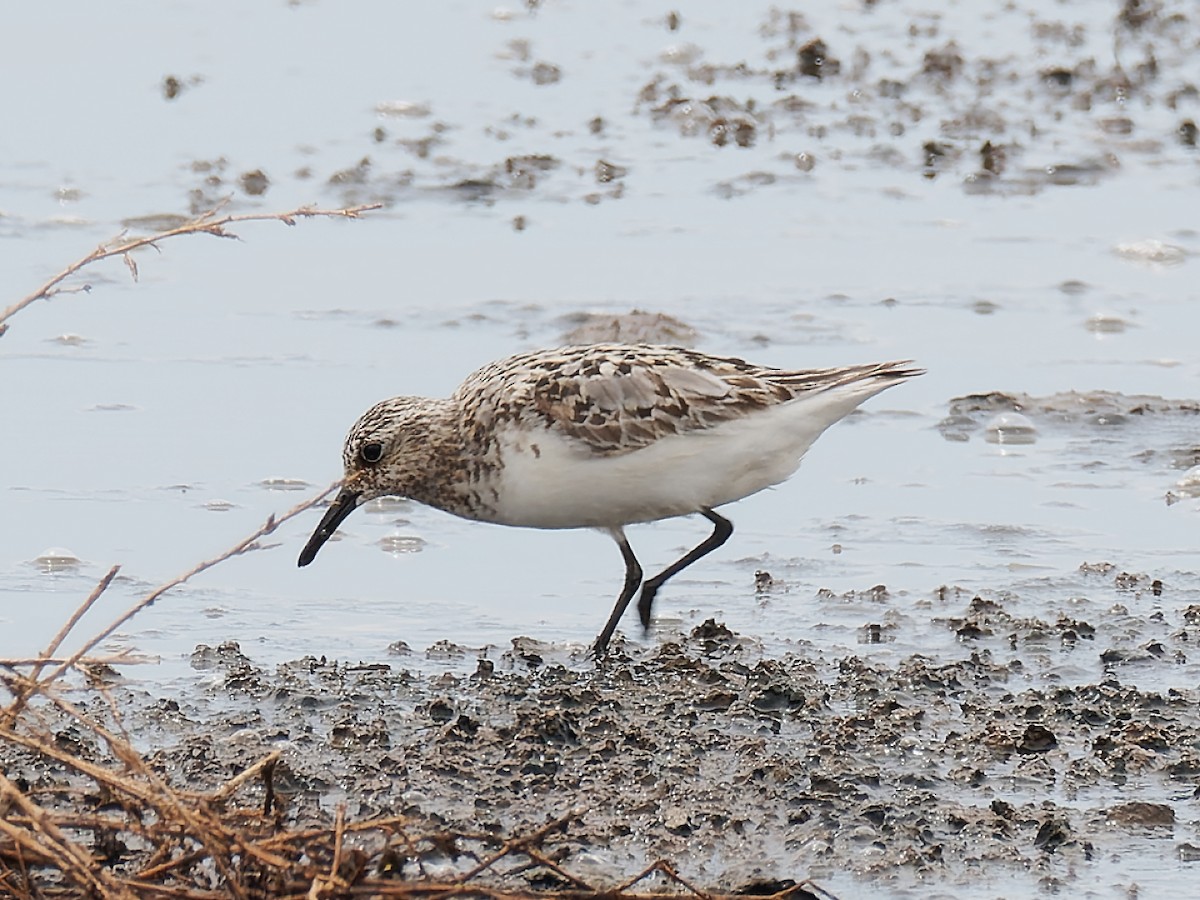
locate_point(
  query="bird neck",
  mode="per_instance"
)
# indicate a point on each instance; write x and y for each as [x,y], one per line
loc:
[439,462]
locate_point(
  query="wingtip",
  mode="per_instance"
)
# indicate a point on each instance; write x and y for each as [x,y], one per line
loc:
[903,368]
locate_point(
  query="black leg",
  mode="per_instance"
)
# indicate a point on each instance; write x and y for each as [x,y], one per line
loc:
[633,577]
[722,529]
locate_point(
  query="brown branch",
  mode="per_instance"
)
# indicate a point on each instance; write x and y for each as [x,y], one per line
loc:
[206,223]
[280,840]
[125,657]
[179,862]
[93,822]
[149,789]
[225,791]
[537,859]
[663,868]
[333,881]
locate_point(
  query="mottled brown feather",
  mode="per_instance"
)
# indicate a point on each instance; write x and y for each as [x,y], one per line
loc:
[617,398]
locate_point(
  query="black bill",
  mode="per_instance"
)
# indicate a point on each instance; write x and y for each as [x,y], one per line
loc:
[344,504]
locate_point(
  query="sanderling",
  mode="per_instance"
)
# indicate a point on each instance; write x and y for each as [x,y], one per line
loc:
[600,436]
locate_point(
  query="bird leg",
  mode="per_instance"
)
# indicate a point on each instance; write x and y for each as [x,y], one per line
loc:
[633,577]
[722,529]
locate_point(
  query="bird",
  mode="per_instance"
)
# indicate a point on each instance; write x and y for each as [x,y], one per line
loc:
[600,436]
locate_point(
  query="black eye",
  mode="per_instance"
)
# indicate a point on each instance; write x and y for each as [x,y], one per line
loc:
[372,452]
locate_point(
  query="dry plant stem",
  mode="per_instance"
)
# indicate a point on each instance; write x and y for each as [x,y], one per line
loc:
[332,882]
[411,847]
[247,543]
[282,840]
[225,791]
[179,862]
[17,880]
[664,869]
[148,788]
[94,822]
[206,223]
[537,859]
[669,871]
[124,658]
[339,834]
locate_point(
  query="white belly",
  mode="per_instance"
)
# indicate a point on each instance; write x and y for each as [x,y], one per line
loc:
[550,482]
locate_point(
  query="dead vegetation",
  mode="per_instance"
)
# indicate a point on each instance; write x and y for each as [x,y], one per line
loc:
[209,223]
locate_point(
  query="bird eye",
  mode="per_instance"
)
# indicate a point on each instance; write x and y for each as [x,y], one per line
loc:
[372,452]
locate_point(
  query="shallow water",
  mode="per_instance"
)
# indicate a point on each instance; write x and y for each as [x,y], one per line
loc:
[145,423]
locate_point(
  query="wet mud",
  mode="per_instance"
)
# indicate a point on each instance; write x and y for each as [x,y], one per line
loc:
[740,769]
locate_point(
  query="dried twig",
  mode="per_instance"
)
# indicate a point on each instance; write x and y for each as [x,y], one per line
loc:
[124,657]
[150,873]
[661,867]
[538,860]
[333,881]
[225,791]
[206,223]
